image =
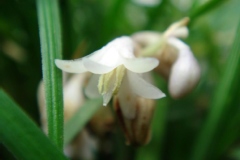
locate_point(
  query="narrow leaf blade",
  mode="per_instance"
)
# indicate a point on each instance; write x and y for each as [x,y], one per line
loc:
[51,49]
[21,136]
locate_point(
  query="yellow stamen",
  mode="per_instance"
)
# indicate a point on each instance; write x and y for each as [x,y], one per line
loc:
[111,81]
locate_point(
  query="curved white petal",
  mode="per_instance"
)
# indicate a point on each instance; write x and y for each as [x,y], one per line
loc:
[72,66]
[143,88]
[111,54]
[107,56]
[91,89]
[141,65]
[184,76]
[95,67]
[127,100]
[124,46]
[185,72]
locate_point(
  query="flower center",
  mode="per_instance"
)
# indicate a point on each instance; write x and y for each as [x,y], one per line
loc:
[110,83]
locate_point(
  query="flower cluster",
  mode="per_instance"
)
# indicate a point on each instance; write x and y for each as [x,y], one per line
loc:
[121,69]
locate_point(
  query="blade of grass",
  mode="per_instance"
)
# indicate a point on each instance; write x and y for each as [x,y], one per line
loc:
[229,136]
[21,136]
[80,118]
[51,48]
[222,97]
[229,130]
[208,6]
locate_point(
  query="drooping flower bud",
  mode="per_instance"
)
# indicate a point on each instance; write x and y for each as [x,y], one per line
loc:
[185,71]
[177,62]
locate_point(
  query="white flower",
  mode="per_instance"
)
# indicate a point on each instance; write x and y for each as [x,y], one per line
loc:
[178,64]
[117,71]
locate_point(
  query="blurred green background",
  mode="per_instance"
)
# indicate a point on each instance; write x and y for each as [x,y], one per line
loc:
[87,25]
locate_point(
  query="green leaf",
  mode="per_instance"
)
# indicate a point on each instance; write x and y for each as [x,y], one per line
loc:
[21,136]
[80,118]
[223,96]
[51,49]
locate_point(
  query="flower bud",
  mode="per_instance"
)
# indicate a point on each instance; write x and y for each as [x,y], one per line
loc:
[178,29]
[177,62]
[185,71]
[137,129]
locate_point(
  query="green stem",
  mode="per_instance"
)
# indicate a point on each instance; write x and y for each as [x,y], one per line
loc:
[51,48]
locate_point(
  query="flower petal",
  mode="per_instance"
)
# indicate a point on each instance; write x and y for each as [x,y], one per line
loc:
[108,56]
[108,90]
[112,53]
[95,67]
[127,100]
[108,94]
[143,88]
[185,74]
[91,89]
[72,66]
[141,65]
[107,97]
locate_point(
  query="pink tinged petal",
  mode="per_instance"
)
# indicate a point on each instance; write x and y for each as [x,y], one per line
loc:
[141,65]
[95,67]
[127,100]
[143,88]
[71,66]
[91,89]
